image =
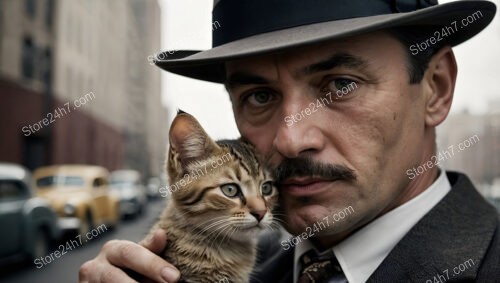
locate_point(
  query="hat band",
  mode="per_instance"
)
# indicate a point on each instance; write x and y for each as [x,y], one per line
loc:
[243,18]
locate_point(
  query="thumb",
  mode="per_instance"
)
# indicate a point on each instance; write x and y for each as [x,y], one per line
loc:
[155,241]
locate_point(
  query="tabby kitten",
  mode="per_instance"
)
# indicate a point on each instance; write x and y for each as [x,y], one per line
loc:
[221,197]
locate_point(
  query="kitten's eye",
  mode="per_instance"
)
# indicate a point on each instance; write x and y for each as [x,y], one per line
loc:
[266,189]
[230,190]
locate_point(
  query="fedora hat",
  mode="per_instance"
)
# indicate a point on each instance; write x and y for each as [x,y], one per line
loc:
[244,28]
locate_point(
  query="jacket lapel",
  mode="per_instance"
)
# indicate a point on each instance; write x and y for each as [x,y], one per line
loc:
[458,230]
[274,264]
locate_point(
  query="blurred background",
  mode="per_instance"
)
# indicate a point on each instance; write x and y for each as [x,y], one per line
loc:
[53,52]
[77,86]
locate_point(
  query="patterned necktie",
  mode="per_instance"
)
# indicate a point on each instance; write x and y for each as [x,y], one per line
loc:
[322,268]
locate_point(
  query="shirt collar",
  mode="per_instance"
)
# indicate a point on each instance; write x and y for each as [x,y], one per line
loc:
[359,255]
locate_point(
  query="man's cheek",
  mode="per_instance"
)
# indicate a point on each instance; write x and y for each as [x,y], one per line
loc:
[263,144]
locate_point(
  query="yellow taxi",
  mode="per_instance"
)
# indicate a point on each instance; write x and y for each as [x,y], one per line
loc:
[79,194]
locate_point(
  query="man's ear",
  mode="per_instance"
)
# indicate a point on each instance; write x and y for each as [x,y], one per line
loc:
[439,78]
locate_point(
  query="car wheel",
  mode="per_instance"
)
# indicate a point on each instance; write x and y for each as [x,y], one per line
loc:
[85,225]
[41,244]
[113,222]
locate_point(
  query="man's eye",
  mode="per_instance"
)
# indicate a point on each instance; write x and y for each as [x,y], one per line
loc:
[341,85]
[259,98]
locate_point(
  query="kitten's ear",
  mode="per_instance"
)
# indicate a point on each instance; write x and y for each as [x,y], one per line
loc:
[189,140]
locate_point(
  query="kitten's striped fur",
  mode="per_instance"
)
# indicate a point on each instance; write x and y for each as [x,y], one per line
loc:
[212,236]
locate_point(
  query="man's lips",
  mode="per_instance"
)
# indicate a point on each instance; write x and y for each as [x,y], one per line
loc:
[304,186]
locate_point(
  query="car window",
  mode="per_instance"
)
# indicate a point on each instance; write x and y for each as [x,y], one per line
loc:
[70,181]
[98,182]
[12,189]
[122,181]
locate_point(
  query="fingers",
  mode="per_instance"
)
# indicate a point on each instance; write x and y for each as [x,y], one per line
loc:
[134,258]
[155,242]
[91,271]
[141,260]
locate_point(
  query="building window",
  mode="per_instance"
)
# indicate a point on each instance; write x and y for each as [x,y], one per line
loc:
[30,7]
[69,30]
[28,58]
[70,83]
[47,69]
[49,13]
[78,34]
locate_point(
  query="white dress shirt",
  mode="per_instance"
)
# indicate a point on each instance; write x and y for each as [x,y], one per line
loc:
[361,253]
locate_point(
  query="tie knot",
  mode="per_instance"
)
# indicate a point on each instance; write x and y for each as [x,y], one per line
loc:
[319,268]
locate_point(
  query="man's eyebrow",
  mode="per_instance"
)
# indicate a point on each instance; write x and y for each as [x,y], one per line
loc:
[335,61]
[242,78]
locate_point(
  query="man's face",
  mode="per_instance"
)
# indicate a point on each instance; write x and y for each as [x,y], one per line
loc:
[359,142]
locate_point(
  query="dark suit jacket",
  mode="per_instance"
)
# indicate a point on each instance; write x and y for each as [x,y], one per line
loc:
[462,226]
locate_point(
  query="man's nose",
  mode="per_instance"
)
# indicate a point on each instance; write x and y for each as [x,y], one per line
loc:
[295,136]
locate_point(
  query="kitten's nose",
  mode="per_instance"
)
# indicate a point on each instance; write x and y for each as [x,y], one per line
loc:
[258,214]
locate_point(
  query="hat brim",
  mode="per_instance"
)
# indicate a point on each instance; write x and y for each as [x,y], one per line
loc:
[208,65]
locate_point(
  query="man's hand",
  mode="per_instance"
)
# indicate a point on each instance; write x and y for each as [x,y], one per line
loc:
[142,258]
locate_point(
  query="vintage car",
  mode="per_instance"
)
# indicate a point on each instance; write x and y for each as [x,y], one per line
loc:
[128,185]
[79,194]
[29,224]
[153,188]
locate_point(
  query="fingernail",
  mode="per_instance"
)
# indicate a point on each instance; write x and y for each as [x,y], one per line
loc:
[170,275]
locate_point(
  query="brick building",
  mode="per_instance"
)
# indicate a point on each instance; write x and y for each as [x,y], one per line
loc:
[53,54]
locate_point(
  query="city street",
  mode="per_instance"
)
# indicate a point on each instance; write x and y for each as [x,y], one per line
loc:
[65,268]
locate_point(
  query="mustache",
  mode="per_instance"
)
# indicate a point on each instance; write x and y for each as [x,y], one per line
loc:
[307,167]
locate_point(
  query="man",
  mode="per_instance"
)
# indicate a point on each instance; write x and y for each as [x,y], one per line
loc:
[343,98]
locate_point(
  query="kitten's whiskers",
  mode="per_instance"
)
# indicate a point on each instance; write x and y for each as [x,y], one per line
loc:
[214,222]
